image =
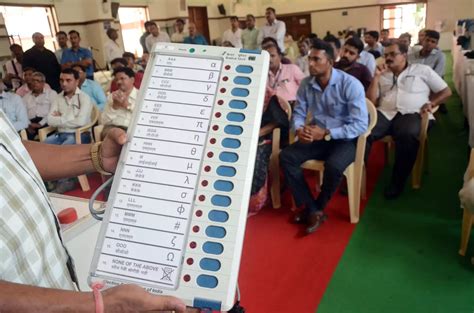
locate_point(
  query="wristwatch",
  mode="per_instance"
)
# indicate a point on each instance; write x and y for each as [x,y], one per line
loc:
[327,136]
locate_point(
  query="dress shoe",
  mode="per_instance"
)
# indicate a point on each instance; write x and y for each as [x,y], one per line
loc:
[315,219]
[300,217]
[392,192]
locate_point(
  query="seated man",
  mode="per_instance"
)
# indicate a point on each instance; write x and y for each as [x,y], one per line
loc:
[371,38]
[71,109]
[403,91]
[283,79]
[131,62]
[432,56]
[13,107]
[194,37]
[122,62]
[302,59]
[120,103]
[336,102]
[348,62]
[38,102]
[90,87]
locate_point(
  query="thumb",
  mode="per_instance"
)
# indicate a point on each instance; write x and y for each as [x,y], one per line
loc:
[165,303]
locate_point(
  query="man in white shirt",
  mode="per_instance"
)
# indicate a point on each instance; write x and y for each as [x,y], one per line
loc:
[234,34]
[13,68]
[71,109]
[371,39]
[179,34]
[112,48]
[14,108]
[38,102]
[402,92]
[273,28]
[120,103]
[61,39]
[155,36]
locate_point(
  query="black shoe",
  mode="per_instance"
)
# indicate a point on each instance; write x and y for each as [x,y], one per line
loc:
[300,217]
[392,192]
[315,220]
[443,109]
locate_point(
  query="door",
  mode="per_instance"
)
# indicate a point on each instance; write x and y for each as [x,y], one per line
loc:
[297,25]
[198,15]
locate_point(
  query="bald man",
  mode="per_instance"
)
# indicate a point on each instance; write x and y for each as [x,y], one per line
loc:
[194,37]
[44,61]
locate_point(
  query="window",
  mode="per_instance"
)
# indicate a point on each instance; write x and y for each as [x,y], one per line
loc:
[40,19]
[406,18]
[132,22]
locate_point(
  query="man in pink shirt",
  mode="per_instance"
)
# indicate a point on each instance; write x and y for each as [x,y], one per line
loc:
[283,79]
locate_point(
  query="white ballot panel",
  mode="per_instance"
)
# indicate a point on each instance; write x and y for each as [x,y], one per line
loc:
[177,210]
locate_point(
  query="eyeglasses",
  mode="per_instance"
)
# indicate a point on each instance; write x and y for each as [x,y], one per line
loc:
[391,54]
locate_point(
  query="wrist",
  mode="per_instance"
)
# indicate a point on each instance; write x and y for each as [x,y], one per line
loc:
[96,157]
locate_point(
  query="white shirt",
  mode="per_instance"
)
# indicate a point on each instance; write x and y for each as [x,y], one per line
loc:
[368,60]
[151,40]
[13,107]
[303,64]
[112,50]
[277,31]
[235,38]
[30,243]
[10,66]
[178,37]
[38,106]
[59,54]
[75,111]
[119,117]
[409,91]
[378,47]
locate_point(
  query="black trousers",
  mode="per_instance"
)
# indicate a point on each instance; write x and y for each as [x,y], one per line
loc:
[405,130]
[337,155]
[31,136]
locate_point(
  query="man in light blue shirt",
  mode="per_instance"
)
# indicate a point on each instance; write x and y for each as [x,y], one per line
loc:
[336,102]
[14,108]
[91,88]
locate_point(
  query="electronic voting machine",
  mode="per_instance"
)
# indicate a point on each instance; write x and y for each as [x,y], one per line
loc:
[176,215]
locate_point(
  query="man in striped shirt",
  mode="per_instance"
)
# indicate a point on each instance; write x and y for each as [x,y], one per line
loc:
[36,272]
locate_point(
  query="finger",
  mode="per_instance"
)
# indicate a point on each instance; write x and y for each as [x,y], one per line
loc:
[117,135]
[166,303]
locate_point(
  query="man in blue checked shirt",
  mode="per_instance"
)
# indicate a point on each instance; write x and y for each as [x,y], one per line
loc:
[336,102]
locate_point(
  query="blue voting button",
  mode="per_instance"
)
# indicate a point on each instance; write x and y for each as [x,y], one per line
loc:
[226,171]
[235,117]
[210,264]
[207,281]
[238,104]
[231,143]
[216,232]
[218,216]
[244,69]
[213,247]
[222,201]
[233,130]
[240,92]
[241,80]
[229,157]
[223,185]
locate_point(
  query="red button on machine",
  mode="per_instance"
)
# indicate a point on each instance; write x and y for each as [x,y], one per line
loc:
[67,216]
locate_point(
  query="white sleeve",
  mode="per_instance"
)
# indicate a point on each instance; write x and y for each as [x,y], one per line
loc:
[434,81]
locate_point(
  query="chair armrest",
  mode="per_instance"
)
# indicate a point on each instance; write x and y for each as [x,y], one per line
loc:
[276,137]
[45,131]
[97,131]
[425,119]
[23,135]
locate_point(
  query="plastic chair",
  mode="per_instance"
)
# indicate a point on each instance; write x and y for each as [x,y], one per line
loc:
[422,155]
[355,172]
[468,215]
[274,165]
[23,134]
[44,132]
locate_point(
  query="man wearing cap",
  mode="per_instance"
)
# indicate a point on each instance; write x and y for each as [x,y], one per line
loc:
[112,48]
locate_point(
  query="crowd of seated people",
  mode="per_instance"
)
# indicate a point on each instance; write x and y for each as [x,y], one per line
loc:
[325,88]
